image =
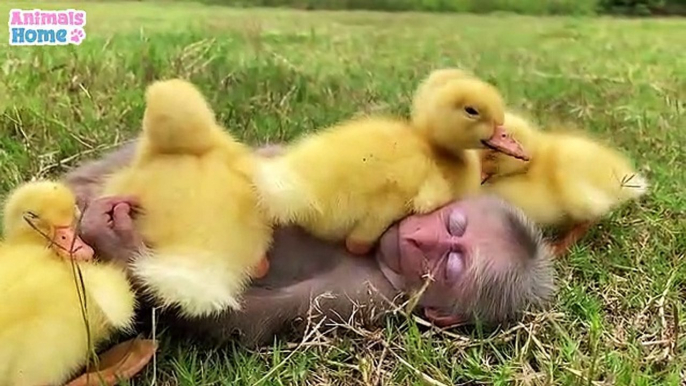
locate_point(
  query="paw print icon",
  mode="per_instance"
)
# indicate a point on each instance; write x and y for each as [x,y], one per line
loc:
[77,36]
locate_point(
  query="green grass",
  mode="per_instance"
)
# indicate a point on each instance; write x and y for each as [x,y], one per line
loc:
[272,74]
[528,7]
[532,7]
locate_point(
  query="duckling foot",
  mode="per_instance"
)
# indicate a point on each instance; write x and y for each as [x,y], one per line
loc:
[261,269]
[121,362]
[358,248]
[570,238]
[441,319]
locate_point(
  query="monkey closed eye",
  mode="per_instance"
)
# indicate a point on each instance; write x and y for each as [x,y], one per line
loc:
[457,223]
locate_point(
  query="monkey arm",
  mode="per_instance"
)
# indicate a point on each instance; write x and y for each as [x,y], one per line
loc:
[265,314]
[309,279]
[351,293]
[107,226]
[197,283]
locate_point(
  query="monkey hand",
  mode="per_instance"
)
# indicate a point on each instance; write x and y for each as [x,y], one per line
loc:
[107,225]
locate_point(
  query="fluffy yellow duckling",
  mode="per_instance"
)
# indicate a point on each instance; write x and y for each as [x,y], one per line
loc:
[201,219]
[570,179]
[460,115]
[351,181]
[43,334]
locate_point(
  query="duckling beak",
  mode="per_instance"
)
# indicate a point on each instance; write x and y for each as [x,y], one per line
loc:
[502,142]
[70,246]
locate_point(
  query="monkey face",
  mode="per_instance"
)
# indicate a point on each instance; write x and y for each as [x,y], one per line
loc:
[454,246]
[432,244]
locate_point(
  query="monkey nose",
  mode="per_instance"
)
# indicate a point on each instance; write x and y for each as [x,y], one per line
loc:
[422,239]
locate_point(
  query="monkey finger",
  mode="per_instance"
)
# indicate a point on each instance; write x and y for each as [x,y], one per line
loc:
[135,207]
[93,218]
[121,216]
[125,228]
[111,201]
[97,219]
[132,201]
[101,206]
[121,207]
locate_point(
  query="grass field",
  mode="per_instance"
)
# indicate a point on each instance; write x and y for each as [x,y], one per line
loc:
[273,74]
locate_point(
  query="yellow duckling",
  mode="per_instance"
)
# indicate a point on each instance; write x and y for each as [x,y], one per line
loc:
[201,219]
[570,178]
[44,339]
[351,181]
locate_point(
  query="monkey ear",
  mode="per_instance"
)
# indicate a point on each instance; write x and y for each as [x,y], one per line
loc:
[443,319]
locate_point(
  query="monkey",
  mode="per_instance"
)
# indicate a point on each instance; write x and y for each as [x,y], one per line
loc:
[484,258]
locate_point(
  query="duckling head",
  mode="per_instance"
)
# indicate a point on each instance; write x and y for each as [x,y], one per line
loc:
[496,164]
[443,75]
[462,112]
[45,212]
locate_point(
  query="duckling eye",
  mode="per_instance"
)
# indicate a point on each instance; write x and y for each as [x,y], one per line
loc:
[471,111]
